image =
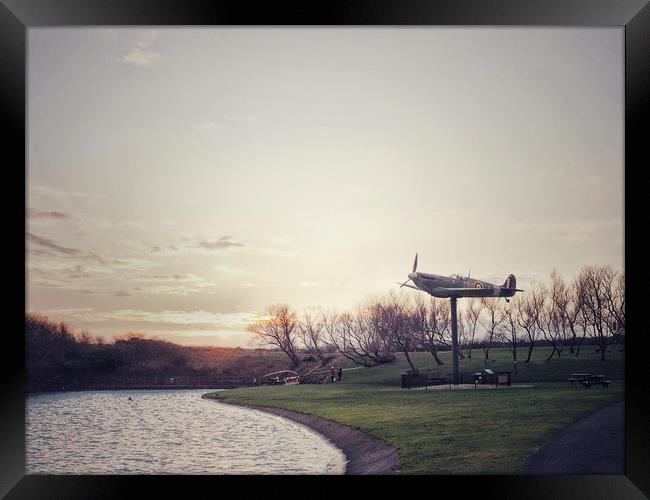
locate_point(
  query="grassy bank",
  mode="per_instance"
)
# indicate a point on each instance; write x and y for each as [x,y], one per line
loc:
[452,432]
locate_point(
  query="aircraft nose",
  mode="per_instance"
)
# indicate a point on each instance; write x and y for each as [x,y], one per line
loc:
[413,276]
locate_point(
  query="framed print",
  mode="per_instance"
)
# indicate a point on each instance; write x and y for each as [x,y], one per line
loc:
[384,239]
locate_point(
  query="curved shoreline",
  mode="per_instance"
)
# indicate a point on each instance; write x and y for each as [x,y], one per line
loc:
[365,454]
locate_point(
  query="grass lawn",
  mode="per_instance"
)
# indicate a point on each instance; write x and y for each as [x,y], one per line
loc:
[452,432]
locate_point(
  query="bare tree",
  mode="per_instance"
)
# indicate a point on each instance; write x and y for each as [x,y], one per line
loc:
[310,331]
[375,333]
[615,297]
[556,312]
[394,315]
[338,335]
[495,316]
[278,329]
[573,312]
[471,317]
[431,324]
[358,336]
[594,283]
[509,332]
[528,308]
[584,320]
[84,337]
[337,328]
[462,336]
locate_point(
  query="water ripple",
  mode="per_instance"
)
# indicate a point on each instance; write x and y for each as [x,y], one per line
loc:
[166,432]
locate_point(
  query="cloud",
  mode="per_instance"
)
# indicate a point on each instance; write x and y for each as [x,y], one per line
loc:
[50,245]
[312,284]
[245,118]
[223,242]
[196,246]
[49,248]
[65,196]
[142,54]
[161,248]
[215,125]
[206,127]
[184,278]
[228,270]
[77,272]
[198,319]
[34,213]
[574,230]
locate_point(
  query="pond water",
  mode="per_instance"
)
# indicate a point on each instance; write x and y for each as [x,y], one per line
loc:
[166,432]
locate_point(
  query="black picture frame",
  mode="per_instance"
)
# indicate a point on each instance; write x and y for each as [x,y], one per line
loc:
[16,16]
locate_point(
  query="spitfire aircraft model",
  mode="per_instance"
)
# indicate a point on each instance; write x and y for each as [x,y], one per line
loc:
[456,286]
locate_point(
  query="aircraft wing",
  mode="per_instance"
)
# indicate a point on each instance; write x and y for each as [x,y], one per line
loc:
[469,292]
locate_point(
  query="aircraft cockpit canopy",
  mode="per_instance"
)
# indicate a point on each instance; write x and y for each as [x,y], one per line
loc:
[456,277]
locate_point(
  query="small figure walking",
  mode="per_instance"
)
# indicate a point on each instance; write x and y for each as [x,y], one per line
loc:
[332,375]
[340,373]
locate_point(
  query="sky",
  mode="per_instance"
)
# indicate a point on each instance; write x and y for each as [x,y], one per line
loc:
[181,180]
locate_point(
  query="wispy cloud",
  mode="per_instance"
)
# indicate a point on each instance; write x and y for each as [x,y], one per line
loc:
[143,54]
[207,319]
[312,284]
[215,125]
[228,270]
[162,248]
[34,213]
[52,246]
[66,197]
[196,245]
[581,230]
[245,118]
[221,243]
[42,246]
[206,127]
[77,272]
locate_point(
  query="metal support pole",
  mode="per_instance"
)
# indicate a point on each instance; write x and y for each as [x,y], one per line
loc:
[455,376]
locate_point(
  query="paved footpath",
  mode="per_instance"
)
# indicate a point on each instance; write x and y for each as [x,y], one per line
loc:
[594,445]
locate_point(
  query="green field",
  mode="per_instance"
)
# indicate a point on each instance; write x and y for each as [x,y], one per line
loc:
[453,432]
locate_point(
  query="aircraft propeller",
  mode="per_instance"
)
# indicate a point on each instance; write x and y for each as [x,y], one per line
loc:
[415,266]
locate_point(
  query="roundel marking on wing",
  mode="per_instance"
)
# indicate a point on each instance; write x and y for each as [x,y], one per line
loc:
[478,285]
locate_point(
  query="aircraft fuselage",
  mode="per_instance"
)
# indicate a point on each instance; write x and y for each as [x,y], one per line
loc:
[443,286]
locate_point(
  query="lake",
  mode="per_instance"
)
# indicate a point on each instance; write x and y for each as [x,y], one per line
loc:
[166,432]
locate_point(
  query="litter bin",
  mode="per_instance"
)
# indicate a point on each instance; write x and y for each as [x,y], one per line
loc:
[504,378]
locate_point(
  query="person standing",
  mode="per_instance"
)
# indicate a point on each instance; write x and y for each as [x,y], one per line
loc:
[332,375]
[340,373]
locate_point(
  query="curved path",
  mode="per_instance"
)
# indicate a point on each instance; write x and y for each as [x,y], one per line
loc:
[593,445]
[365,454]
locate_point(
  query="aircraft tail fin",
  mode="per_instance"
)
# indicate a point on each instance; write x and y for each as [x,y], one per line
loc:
[511,282]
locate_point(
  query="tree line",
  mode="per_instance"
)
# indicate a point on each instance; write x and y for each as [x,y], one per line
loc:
[564,316]
[55,352]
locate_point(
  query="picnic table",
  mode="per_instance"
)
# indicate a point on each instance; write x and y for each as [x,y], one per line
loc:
[578,377]
[595,379]
[587,380]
